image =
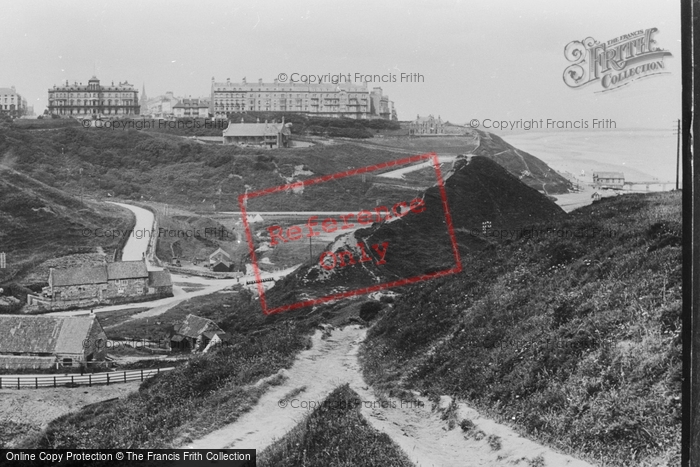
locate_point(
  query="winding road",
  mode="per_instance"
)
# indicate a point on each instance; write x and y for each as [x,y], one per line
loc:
[137,248]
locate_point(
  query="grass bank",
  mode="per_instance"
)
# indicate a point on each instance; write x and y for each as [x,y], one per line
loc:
[574,340]
[335,434]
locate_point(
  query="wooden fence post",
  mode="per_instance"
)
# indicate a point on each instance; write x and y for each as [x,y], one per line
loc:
[107,379]
[54,381]
[141,378]
[36,382]
[90,380]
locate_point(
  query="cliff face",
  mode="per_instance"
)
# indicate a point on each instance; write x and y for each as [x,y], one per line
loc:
[529,169]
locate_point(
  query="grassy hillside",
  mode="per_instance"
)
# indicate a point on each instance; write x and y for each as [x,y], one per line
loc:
[38,222]
[301,125]
[208,392]
[163,167]
[139,165]
[419,243]
[335,434]
[573,340]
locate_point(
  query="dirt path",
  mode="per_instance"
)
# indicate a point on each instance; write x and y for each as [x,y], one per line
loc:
[328,364]
[417,428]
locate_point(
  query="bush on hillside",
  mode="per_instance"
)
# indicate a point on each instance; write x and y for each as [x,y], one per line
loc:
[370,310]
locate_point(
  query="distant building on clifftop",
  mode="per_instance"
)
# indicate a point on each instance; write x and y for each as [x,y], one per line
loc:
[426,126]
[263,135]
[94,100]
[348,100]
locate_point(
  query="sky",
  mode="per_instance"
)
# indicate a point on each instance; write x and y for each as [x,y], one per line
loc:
[484,60]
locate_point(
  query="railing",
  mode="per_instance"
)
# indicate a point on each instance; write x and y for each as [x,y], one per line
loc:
[44,381]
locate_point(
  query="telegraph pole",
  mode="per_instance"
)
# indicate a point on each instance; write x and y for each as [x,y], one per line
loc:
[678,152]
[690,48]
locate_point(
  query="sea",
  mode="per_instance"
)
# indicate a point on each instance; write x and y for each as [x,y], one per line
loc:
[642,155]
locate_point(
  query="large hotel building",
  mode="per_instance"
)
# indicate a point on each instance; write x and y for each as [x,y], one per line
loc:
[93,99]
[321,100]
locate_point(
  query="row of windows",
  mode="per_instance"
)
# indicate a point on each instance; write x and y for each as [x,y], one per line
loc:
[91,103]
[87,94]
[89,110]
[306,95]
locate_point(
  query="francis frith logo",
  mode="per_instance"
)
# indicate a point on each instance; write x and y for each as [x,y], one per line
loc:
[615,63]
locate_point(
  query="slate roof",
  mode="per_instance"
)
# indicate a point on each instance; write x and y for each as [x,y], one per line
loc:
[25,361]
[210,334]
[45,334]
[220,251]
[194,326]
[79,275]
[254,129]
[127,270]
[100,274]
[159,279]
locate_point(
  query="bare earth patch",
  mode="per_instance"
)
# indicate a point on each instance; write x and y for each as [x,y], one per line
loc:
[27,411]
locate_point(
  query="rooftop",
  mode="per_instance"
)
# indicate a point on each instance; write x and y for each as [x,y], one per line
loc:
[44,334]
[608,175]
[193,326]
[127,270]
[255,129]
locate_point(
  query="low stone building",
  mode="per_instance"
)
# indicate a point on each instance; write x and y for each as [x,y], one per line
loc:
[194,334]
[123,278]
[127,278]
[264,135]
[40,341]
[107,283]
[160,283]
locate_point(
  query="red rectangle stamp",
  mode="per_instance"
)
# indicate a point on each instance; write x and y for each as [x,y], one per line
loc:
[408,239]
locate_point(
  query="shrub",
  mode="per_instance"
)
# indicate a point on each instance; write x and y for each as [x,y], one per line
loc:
[369,310]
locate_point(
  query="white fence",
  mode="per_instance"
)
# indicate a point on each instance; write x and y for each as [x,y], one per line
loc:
[45,381]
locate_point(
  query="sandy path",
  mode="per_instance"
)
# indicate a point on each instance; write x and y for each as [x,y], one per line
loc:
[417,429]
[328,364]
[399,173]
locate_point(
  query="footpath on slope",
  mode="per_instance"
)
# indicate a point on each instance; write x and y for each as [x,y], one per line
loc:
[418,430]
